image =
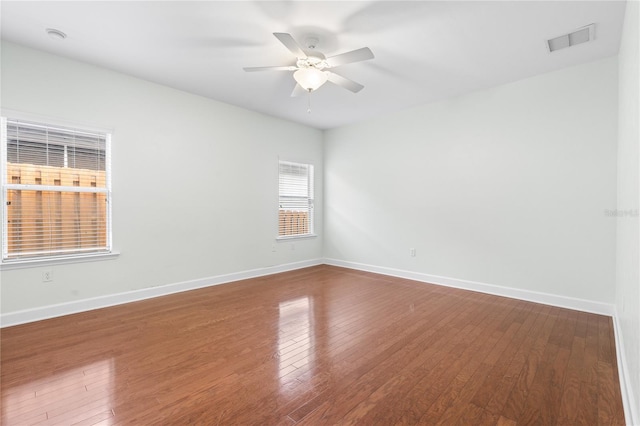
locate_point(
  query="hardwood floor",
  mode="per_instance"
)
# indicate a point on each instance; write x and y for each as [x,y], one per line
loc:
[322,345]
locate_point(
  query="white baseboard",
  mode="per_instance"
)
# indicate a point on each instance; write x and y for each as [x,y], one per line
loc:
[514,293]
[628,400]
[52,311]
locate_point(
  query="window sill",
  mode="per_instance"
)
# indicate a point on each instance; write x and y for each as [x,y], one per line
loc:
[50,261]
[296,237]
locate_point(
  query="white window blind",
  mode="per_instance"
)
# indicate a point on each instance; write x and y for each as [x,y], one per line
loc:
[56,191]
[295,216]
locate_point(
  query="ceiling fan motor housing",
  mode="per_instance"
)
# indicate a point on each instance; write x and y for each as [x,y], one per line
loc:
[316,61]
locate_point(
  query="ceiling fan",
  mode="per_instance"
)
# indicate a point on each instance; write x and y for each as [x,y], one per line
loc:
[312,69]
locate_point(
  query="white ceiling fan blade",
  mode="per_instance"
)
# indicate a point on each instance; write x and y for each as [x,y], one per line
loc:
[298,91]
[285,68]
[290,43]
[344,82]
[354,56]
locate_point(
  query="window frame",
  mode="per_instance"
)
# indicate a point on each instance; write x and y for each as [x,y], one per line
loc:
[310,200]
[5,186]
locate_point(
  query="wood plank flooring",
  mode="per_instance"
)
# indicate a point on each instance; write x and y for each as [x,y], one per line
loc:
[321,345]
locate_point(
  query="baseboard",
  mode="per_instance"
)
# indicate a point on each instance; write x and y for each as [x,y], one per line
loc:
[528,295]
[52,311]
[626,389]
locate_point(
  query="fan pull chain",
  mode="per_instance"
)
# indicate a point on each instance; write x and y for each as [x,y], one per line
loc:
[309,103]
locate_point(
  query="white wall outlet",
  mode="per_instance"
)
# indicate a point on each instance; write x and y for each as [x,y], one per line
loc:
[412,252]
[47,276]
[273,247]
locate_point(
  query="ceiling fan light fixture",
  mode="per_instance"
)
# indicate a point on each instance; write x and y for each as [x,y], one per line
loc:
[310,78]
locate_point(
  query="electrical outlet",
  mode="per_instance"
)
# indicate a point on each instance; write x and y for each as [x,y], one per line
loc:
[273,247]
[47,276]
[412,252]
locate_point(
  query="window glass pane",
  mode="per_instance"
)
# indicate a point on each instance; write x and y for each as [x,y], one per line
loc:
[55,222]
[45,222]
[35,144]
[295,199]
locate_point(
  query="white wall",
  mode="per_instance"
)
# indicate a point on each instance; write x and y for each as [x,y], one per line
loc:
[506,186]
[628,253]
[194,180]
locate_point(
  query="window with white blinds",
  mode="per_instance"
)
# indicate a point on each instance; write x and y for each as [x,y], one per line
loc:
[56,191]
[295,215]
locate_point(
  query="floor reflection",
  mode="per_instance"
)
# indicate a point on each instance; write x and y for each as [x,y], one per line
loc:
[296,337]
[72,396]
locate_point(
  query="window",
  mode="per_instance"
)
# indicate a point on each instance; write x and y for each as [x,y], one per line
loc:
[56,191]
[295,216]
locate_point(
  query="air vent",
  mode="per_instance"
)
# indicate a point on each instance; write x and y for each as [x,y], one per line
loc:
[581,35]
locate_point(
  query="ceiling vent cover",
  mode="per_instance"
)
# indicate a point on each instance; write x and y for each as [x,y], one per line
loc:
[581,35]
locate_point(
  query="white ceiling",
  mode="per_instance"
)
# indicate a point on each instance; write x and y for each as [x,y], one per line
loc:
[424,50]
